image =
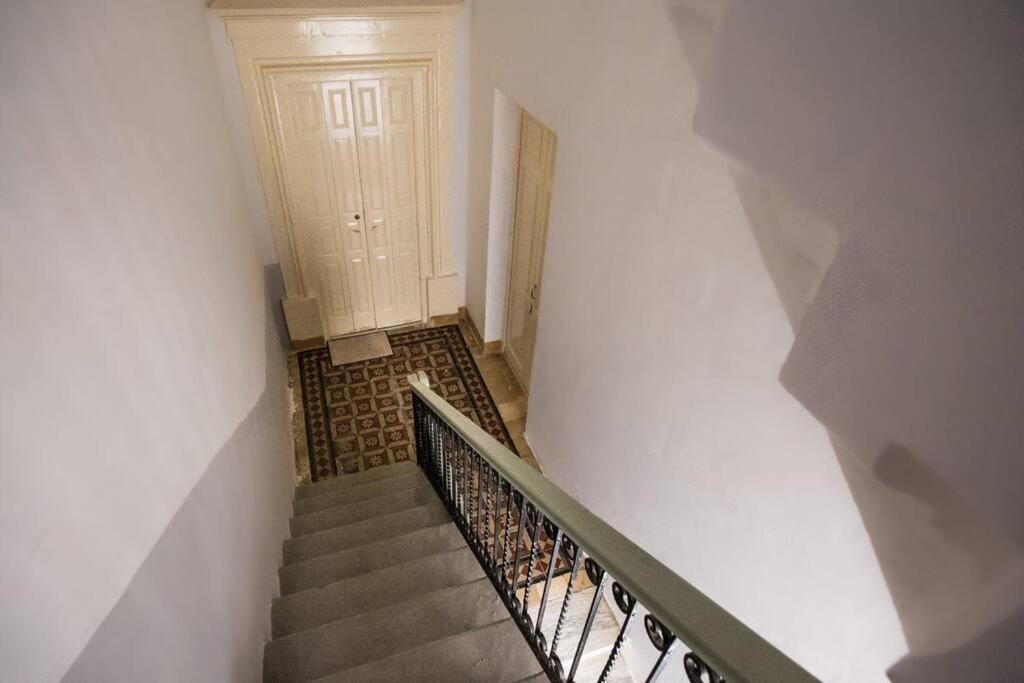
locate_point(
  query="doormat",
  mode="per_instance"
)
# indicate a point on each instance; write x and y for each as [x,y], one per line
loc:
[360,347]
[359,415]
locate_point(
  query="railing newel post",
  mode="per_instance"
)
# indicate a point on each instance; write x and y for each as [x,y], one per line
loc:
[509,502]
[598,576]
[514,586]
[538,633]
[496,542]
[535,537]
[478,475]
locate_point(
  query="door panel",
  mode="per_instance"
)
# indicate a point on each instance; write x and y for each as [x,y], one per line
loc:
[403,206]
[374,183]
[312,201]
[384,120]
[533,196]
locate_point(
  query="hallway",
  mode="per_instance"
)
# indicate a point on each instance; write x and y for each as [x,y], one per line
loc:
[756,268]
[387,409]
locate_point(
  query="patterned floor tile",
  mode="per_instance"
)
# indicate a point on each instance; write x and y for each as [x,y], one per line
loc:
[359,415]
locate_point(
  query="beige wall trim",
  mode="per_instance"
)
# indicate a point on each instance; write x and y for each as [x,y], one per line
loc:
[308,8]
[464,316]
[449,319]
[491,348]
[306,344]
[267,40]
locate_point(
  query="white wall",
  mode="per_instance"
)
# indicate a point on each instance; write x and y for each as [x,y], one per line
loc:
[901,123]
[458,173]
[655,396]
[241,137]
[132,295]
[501,211]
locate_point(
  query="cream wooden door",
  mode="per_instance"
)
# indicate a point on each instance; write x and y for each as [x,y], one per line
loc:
[352,175]
[384,121]
[529,233]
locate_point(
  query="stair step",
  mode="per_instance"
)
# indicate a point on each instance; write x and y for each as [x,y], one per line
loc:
[365,491]
[311,608]
[349,513]
[327,569]
[383,632]
[496,653]
[344,481]
[367,531]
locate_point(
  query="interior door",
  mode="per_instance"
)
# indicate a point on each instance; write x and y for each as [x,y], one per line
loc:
[354,176]
[317,140]
[387,153]
[346,172]
[529,233]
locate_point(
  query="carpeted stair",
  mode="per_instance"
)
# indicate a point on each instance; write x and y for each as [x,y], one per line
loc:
[378,585]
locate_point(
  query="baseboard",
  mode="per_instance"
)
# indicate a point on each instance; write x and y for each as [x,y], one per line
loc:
[306,344]
[449,319]
[491,348]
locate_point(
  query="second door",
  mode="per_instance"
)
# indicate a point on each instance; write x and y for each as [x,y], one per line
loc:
[529,234]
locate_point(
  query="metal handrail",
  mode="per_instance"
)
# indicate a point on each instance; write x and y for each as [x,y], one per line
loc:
[727,645]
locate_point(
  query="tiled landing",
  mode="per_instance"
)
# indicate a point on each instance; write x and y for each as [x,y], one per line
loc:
[501,383]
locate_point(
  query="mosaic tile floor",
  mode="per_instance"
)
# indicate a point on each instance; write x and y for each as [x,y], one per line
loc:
[359,415]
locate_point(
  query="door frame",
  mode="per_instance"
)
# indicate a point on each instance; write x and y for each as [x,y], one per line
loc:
[268,38]
[352,70]
[550,171]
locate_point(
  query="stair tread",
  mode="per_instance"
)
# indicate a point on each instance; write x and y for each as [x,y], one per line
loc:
[367,491]
[358,594]
[343,481]
[363,559]
[382,632]
[367,531]
[357,511]
[495,653]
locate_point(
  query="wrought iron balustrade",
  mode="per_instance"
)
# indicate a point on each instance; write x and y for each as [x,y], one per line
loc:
[525,531]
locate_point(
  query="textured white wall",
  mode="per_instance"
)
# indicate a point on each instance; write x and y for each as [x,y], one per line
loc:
[655,395]
[133,304]
[501,211]
[458,181]
[241,137]
[901,123]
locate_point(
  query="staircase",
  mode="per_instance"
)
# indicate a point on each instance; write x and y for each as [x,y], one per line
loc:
[378,584]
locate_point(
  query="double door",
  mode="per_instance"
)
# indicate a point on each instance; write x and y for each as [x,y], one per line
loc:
[354,176]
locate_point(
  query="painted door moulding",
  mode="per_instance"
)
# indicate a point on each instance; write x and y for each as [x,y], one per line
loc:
[266,40]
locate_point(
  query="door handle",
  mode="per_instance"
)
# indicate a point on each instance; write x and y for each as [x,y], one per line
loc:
[533,292]
[376,222]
